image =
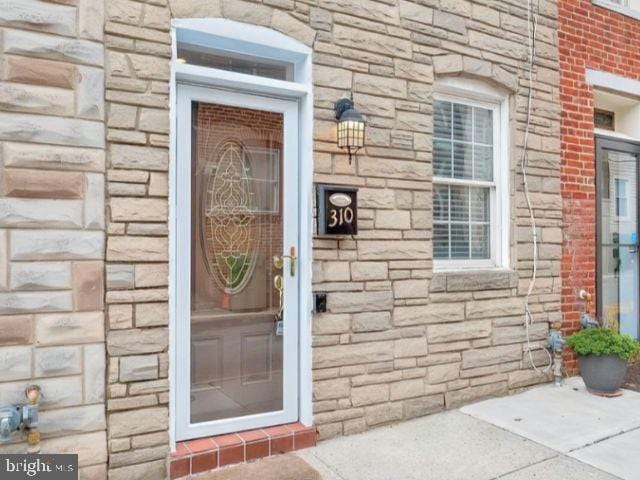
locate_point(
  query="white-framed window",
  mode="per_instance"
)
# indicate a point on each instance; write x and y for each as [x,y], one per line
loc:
[470,202]
[630,8]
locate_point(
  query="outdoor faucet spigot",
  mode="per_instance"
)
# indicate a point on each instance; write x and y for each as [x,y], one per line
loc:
[23,418]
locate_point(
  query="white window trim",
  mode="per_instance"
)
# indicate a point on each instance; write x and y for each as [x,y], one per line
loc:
[628,11]
[262,42]
[479,94]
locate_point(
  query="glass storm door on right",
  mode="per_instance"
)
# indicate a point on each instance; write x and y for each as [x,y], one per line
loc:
[618,264]
[237,283]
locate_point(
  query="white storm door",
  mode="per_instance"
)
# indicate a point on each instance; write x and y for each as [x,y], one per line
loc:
[237,207]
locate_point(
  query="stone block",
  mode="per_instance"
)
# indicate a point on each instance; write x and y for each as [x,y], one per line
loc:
[15,363]
[410,347]
[369,395]
[415,12]
[50,129]
[151,275]
[131,249]
[49,156]
[503,307]
[57,361]
[392,250]
[36,15]
[91,19]
[120,276]
[38,72]
[366,271]
[345,302]
[135,422]
[24,212]
[40,276]
[332,77]
[393,219]
[426,314]
[138,456]
[443,373]
[90,93]
[383,86]
[411,288]
[290,25]
[452,332]
[477,281]
[56,245]
[491,356]
[30,183]
[16,330]
[134,157]
[122,116]
[138,367]
[371,321]
[91,448]
[138,209]
[88,286]
[407,389]
[32,302]
[152,314]
[61,392]
[443,64]
[120,316]
[70,421]
[154,120]
[20,42]
[328,323]
[94,202]
[137,341]
[378,43]
[383,413]
[150,67]
[456,398]
[94,373]
[417,407]
[124,11]
[16,97]
[158,185]
[195,8]
[506,335]
[330,389]
[69,328]
[339,355]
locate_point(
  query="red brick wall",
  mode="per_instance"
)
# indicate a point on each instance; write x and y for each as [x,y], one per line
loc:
[600,39]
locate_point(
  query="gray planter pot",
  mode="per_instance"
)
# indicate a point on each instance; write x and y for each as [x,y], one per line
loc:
[603,373]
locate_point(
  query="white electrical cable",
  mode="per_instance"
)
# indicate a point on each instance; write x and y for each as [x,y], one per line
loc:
[532,25]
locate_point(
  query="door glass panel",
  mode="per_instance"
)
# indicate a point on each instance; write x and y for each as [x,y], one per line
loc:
[236,229]
[619,244]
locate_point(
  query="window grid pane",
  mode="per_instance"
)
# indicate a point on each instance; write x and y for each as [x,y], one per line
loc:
[463,150]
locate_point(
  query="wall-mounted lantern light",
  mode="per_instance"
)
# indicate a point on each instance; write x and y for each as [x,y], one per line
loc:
[350,126]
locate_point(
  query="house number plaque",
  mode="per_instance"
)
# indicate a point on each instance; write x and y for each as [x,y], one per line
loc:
[337,210]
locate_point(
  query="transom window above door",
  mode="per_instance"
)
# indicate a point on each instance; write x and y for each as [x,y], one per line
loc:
[466,154]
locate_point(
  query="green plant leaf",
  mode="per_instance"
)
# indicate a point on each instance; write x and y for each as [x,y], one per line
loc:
[603,341]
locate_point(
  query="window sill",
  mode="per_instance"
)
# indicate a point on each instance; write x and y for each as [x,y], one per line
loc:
[629,12]
[473,280]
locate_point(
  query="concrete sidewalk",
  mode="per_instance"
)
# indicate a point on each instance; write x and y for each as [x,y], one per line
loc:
[546,433]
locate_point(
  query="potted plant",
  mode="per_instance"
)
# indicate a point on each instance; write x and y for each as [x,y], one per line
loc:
[603,355]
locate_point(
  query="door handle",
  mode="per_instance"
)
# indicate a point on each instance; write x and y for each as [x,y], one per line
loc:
[278,261]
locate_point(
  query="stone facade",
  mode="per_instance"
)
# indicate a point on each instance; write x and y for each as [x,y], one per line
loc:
[604,40]
[52,222]
[398,340]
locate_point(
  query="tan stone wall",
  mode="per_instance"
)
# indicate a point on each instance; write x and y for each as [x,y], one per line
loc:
[52,221]
[398,340]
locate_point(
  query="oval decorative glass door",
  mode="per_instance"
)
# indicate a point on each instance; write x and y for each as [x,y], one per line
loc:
[231,227]
[236,356]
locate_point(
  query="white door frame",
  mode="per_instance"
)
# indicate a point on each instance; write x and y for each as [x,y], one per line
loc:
[274,45]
